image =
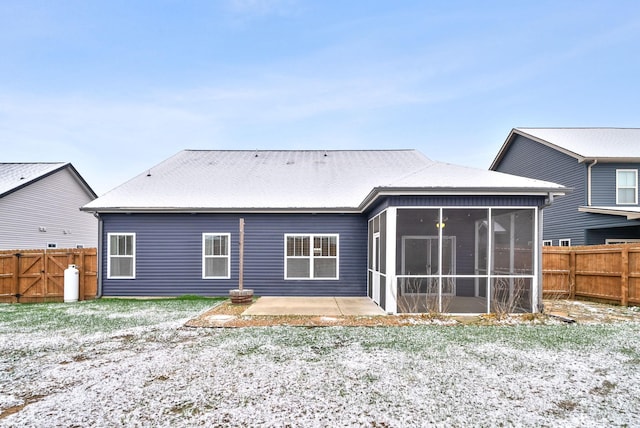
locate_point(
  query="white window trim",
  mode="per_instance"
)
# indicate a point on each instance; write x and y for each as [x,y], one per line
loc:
[611,241]
[228,256]
[567,240]
[311,257]
[133,256]
[547,242]
[635,188]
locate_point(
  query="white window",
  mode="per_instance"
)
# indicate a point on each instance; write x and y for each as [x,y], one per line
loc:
[626,186]
[547,243]
[621,241]
[121,262]
[311,257]
[565,242]
[52,245]
[216,262]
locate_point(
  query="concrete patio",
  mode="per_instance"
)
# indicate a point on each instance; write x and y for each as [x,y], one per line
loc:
[319,306]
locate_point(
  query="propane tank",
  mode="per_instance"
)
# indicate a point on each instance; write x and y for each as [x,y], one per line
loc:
[71,284]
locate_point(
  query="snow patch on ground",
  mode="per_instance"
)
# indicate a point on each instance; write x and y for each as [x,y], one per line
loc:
[154,372]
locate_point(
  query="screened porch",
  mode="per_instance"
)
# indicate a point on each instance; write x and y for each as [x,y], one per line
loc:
[454,260]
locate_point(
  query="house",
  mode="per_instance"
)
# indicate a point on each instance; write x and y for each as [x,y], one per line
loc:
[413,234]
[600,164]
[40,207]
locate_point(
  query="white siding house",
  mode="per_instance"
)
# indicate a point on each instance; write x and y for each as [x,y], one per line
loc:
[39,207]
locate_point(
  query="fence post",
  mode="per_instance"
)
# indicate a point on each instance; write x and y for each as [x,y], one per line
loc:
[624,280]
[80,262]
[16,277]
[572,275]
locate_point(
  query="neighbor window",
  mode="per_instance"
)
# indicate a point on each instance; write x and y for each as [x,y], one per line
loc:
[311,256]
[626,186]
[547,243]
[122,255]
[215,255]
[565,242]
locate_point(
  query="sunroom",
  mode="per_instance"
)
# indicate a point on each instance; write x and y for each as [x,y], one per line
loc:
[455,259]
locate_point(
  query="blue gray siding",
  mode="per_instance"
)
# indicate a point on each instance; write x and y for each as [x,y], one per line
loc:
[169,254]
[603,178]
[562,219]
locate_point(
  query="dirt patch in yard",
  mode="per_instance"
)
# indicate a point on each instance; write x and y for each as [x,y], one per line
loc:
[229,315]
[584,312]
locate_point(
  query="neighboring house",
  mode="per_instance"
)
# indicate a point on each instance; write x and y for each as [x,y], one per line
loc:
[413,234]
[600,164]
[40,207]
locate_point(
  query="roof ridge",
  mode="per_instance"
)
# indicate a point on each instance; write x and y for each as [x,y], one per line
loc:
[33,163]
[299,150]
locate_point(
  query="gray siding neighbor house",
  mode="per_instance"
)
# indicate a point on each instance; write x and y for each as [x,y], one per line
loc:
[413,234]
[40,207]
[599,164]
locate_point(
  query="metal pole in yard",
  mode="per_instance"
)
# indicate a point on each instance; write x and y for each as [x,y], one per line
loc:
[241,256]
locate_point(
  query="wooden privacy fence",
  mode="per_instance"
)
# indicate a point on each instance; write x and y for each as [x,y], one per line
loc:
[601,272]
[38,275]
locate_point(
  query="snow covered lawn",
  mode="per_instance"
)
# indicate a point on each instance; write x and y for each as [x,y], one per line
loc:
[131,363]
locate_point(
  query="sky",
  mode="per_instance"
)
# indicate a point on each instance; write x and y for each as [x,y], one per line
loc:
[117,86]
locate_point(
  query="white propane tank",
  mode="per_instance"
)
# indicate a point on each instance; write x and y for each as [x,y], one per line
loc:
[71,284]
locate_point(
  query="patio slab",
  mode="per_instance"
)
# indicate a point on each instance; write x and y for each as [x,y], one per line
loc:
[327,306]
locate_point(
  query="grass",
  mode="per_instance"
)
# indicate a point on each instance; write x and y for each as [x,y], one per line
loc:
[103,315]
[128,362]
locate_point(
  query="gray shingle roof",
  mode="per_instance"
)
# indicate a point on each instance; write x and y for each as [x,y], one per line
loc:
[583,143]
[16,175]
[301,179]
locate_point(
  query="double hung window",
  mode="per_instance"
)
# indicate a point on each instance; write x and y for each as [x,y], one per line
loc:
[311,256]
[565,242]
[121,263]
[215,255]
[626,186]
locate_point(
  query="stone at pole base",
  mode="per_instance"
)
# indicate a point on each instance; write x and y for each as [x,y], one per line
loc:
[238,296]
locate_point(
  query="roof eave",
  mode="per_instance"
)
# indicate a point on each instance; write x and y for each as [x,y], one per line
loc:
[477,191]
[516,131]
[74,171]
[214,210]
[611,159]
[630,215]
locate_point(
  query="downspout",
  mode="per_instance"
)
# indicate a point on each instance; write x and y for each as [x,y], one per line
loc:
[99,255]
[539,305]
[591,165]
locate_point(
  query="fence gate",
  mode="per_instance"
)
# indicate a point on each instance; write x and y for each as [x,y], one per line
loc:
[38,275]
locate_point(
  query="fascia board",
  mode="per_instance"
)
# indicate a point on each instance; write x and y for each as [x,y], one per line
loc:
[35,179]
[630,215]
[377,193]
[613,160]
[502,151]
[516,131]
[183,210]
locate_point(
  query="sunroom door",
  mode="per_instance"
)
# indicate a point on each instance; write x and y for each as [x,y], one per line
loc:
[420,257]
[376,268]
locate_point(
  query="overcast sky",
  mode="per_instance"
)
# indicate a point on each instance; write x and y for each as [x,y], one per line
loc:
[117,86]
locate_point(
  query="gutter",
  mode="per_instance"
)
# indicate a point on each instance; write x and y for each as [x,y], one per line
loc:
[368,201]
[591,165]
